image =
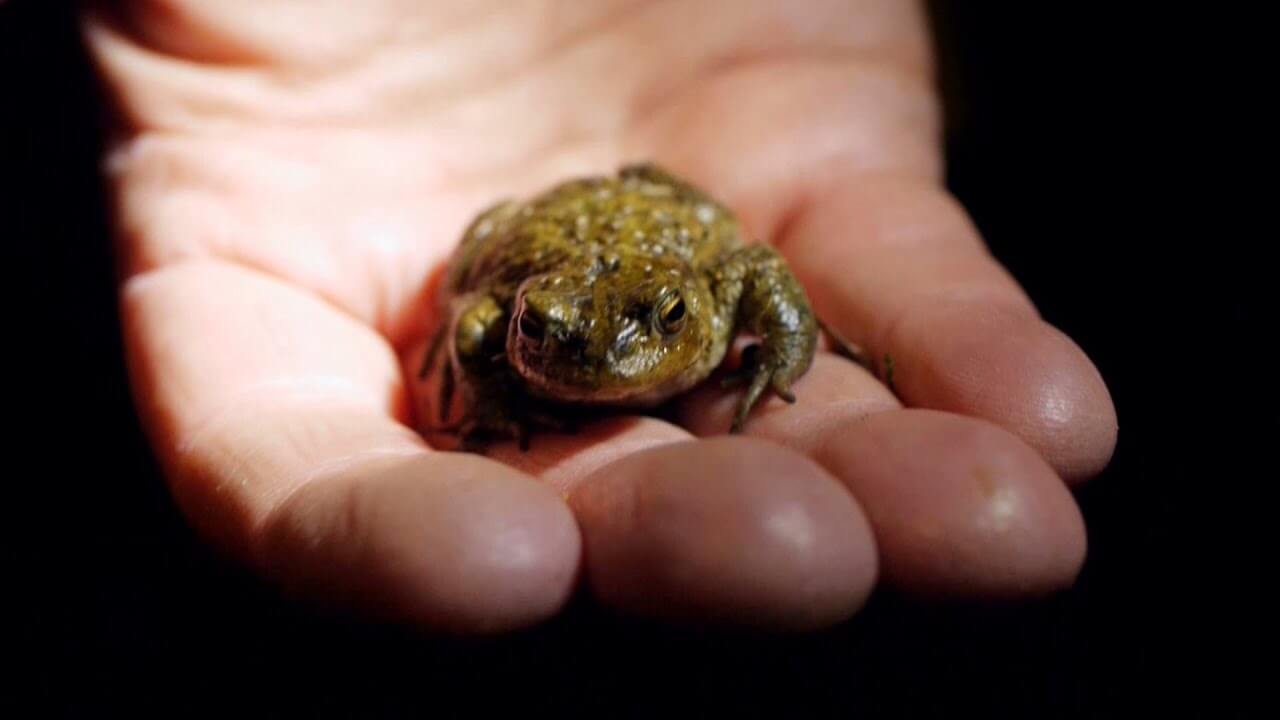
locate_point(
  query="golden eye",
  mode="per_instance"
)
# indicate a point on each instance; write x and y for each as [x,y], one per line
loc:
[671,314]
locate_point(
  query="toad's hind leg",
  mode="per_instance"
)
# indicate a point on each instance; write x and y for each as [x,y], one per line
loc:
[772,305]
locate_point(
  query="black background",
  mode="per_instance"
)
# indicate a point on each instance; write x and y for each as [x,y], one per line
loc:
[1064,144]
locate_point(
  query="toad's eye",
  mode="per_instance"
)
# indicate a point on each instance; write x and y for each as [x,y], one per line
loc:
[670,314]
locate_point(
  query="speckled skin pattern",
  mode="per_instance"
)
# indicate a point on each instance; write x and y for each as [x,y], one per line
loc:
[615,291]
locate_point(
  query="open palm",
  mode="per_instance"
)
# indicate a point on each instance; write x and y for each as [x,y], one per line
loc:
[290,177]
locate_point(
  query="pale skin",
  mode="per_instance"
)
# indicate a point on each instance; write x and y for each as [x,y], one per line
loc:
[290,176]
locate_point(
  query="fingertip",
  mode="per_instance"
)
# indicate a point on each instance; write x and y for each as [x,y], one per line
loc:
[444,541]
[899,265]
[725,531]
[960,507]
[1001,363]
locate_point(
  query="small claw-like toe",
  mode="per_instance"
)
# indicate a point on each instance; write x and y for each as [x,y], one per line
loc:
[763,376]
[471,442]
[477,434]
[781,390]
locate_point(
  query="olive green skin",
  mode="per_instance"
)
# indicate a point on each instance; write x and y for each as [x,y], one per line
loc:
[610,291]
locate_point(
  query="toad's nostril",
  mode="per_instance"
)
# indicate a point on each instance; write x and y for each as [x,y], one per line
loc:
[531,326]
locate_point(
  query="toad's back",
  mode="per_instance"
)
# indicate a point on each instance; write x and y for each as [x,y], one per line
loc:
[641,212]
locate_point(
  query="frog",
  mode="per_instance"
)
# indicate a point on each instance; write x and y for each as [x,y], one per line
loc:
[617,291]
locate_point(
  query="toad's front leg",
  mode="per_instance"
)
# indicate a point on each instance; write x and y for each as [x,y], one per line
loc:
[772,305]
[494,403]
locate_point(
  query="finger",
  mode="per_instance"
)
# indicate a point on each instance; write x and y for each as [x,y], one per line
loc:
[728,530]
[959,506]
[896,266]
[276,419]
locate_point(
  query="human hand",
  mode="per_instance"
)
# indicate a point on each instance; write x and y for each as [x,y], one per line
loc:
[289,177]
